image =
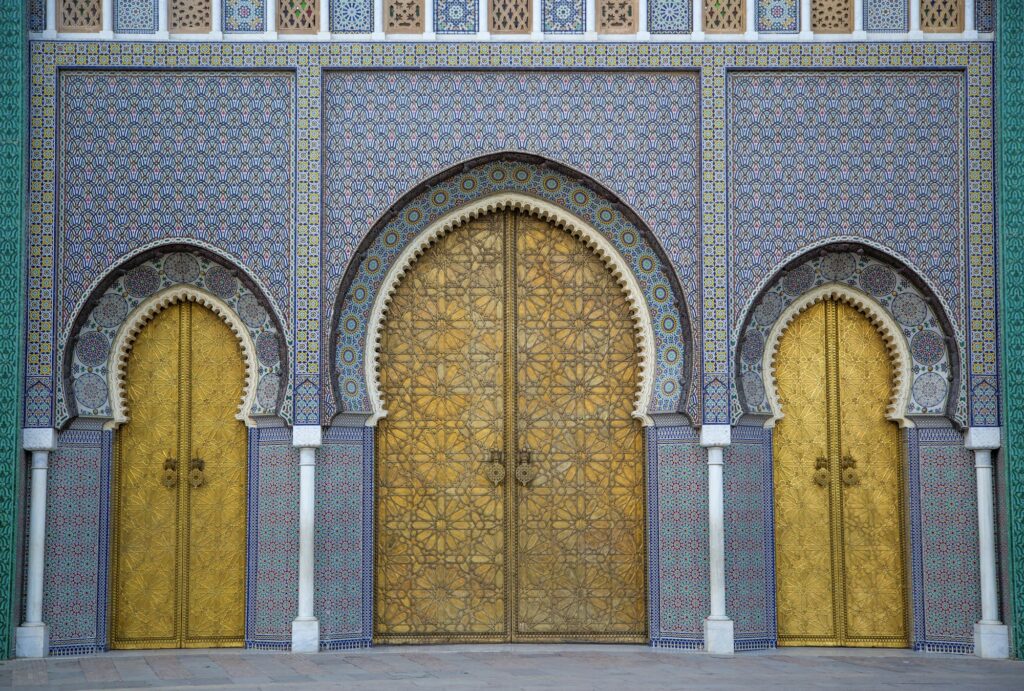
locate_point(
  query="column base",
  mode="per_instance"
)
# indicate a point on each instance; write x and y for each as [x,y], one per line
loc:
[32,640]
[306,636]
[718,636]
[991,640]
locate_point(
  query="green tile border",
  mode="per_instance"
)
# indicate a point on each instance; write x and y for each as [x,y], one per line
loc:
[13,58]
[1010,215]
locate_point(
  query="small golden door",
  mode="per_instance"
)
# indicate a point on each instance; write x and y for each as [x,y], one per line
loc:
[179,487]
[838,482]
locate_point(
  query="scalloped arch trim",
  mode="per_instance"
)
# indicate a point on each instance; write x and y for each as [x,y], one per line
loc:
[895,343]
[569,222]
[144,313]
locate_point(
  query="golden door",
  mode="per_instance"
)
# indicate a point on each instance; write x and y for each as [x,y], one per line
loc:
[839,524]
[180,487]
[510,486]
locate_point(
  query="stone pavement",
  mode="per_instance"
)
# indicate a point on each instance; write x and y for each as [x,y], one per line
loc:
[561,667]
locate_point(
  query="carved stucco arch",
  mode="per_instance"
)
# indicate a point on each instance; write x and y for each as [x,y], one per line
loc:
[569,222]
[892,335]
[149,308]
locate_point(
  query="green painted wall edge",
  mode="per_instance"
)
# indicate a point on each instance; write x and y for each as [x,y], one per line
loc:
[1010,215]
[13,63]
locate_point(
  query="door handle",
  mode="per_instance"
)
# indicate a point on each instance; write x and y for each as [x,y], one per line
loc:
[495,468]
[196,477]
[821,471]
[850,476]
[170,472]
[525,470]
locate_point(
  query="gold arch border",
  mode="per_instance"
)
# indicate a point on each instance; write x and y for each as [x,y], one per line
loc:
[547,211]
[143,313]
[895,343]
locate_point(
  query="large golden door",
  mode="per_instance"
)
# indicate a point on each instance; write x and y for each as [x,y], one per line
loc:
[839,533]
[180,487]
[510,487]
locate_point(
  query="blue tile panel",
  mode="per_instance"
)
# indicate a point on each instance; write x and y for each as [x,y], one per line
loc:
[778,16]
[886,15]
[241,16]
[136,16]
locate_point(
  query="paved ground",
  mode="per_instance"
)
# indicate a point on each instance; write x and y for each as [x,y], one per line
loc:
[561,667]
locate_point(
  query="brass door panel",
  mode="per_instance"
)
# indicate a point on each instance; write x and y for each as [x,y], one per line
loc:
[581,556]
[180,487]
[872,488]
[840,546]
[440,552]
[490,527]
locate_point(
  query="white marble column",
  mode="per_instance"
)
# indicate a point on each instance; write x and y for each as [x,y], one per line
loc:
[915,21]
[325,20]
[858,20]
[271,18]
[161,20]
[590,20]
[750,30]
[106,20]
[991,636]
[970,32]
[32,638]
[698,21]
[718,628]
[806,34]
[216,20]
[306,628]
[51,20]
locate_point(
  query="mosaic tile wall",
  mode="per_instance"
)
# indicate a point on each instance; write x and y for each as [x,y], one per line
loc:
[886,15]
[634,132]
[351,16]
[456,16]
[749,538]
[77,534]
[778,16]
[136,16]
[681,598]
[272,574]
[879,159]
[340,531]
[945,526]
[669,16]
[152,157]
[564,16]
[242,16]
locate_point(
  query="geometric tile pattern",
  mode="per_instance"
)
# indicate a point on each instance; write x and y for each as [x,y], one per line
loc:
[88,362]
[885,15]
[683,599]
[950,594]
[778,16]
[671,339]
[749,538]
[984,15]
[564,16]
[873,157]
[273,538]
[222,182]
[339,537]
[456,16]
[36,15]
[136,16]
[913,310]
[352,16]
[244,15]
[669,16]
[13,211]
[77,514]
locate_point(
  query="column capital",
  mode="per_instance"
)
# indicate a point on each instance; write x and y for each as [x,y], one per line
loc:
[715,435]
[307,436]
[979,438]
[39,439]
